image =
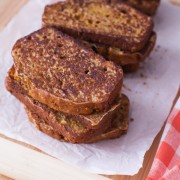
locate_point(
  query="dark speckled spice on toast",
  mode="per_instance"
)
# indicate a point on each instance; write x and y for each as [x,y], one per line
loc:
[73,128]
[108,22]
[119,125]
[60,72]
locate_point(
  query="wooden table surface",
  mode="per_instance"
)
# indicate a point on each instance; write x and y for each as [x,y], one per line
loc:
[8,8]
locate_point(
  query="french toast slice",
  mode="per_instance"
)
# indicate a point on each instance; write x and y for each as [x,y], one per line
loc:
[119,125]
[111,23]
[148,7]
[74,128]
[60,72]
[127,60]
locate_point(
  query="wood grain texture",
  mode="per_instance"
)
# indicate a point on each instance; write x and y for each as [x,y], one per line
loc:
[4,178]
[8,9]
[140,176]
[21,162]
[175,2]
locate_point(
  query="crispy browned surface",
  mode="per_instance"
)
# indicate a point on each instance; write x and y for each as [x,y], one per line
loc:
[125,58]
[128,60]
[74,128]
[58,71]
[108,22]
[41,125]
[118,127]
[148,7]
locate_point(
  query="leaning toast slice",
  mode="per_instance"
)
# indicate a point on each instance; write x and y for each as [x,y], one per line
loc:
[108,22]
[58,71]
[119,125]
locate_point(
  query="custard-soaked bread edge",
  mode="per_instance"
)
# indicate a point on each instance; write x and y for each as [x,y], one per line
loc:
[64,104]
[127,60]
[72,130]
[132,44]
[119,125]
[124,58]
[74,133]
[41,125]
[92,121]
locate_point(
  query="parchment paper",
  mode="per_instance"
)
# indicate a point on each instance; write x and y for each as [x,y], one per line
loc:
[151,91]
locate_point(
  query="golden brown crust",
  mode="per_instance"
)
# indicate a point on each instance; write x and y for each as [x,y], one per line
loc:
[92,121]
[125,58]
[58,71]
[118,126]
[41,125]
[128,60]
[71,127]
[91,21]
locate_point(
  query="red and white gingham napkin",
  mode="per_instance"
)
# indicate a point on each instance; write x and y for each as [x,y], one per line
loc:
[166,165]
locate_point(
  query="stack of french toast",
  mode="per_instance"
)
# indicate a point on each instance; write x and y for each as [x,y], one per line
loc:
[112,29]
[69,91]
[69,74]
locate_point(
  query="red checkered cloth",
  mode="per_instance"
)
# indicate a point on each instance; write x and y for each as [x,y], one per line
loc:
[166,165]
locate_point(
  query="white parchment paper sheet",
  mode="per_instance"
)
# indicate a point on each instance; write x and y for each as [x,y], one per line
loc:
[151,91]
